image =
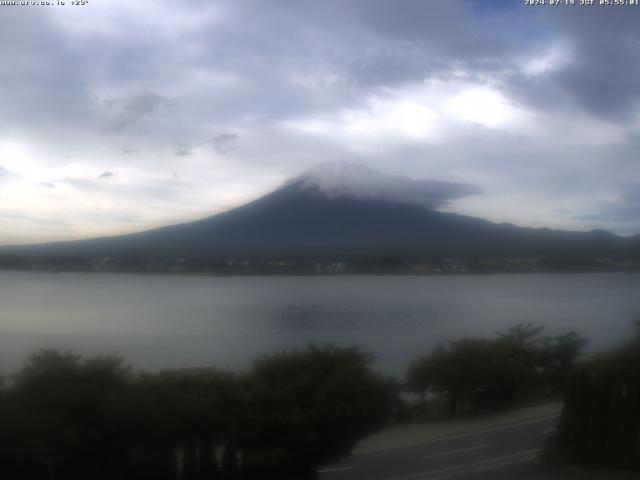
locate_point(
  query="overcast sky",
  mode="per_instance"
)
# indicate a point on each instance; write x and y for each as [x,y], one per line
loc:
[127,114]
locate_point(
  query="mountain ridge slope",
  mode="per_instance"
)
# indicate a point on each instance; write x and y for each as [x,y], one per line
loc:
[302,220]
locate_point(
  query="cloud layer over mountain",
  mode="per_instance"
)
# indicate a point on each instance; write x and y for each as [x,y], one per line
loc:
[337,179]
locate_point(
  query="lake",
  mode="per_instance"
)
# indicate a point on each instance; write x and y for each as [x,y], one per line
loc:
[158,321]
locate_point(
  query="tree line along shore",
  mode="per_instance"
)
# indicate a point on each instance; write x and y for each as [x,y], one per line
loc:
[322,265]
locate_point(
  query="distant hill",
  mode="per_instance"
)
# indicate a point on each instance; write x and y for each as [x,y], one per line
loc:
[326,213]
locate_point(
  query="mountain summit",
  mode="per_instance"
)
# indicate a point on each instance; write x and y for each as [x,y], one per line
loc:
[339,209]
[340,179]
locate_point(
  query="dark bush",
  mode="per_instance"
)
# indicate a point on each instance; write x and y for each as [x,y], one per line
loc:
[482,374]
[600,424]
[66,417]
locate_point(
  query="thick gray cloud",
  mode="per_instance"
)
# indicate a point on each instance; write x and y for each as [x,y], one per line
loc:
[623,211]
[340,178]
[132,109]
[537,106]
[183,151]
[225,142]
[605,74]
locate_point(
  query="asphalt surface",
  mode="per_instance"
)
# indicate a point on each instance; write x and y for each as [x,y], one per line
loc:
[469,455]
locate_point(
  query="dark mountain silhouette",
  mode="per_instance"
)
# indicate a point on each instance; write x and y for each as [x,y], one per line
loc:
[305,218]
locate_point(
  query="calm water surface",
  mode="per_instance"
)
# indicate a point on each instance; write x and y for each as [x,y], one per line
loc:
[170,321]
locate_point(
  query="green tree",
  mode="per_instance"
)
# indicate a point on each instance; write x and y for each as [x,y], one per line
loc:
[310,407]
[600,423]
[558,358]
[73,418]
[69,414]
[480,374]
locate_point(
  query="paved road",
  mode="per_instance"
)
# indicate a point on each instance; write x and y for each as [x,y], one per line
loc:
[469,455]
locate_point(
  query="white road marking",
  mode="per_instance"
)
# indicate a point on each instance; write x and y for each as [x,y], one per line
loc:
[477,466]
[455,437]
[453,452]
[547,432]
[336,469]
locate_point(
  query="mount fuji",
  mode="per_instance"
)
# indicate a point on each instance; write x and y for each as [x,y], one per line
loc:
[339,209]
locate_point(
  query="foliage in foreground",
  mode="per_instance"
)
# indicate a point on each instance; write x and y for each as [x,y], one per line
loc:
[482,374]
[66,417]
[600,423]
